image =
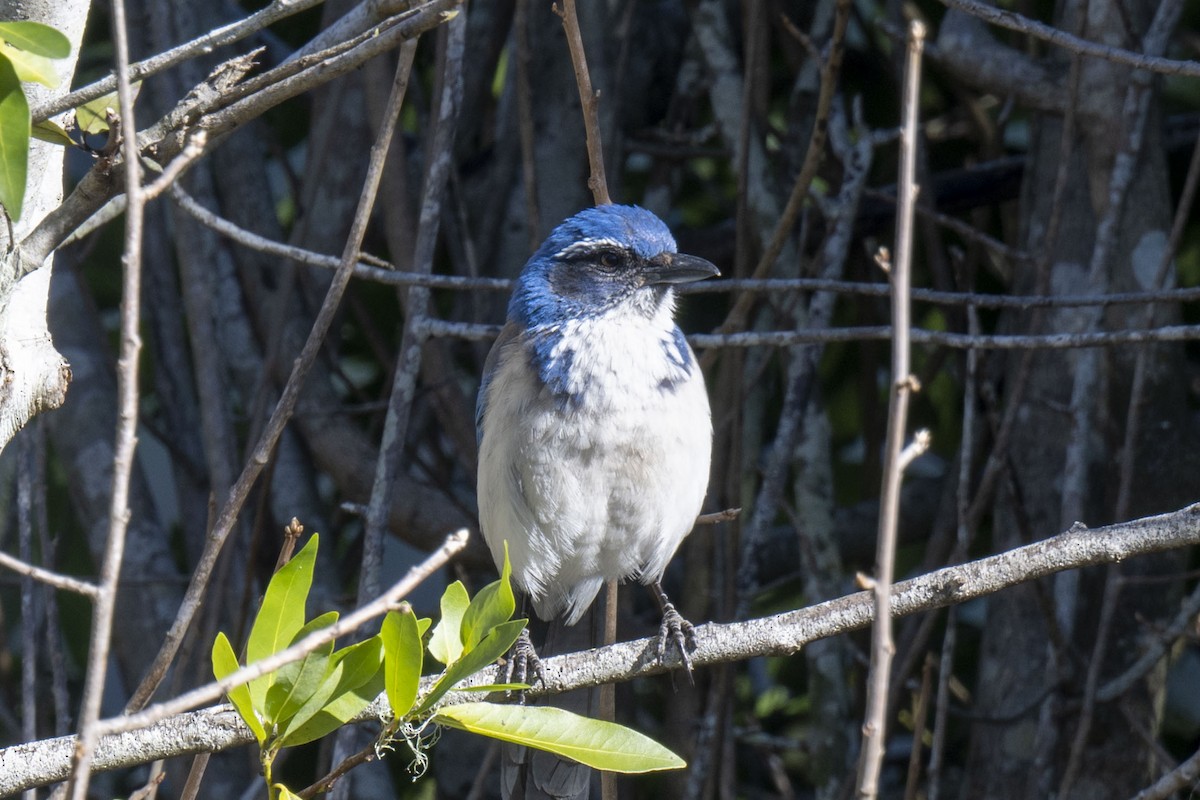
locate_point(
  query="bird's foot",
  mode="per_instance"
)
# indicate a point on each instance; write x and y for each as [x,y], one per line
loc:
[523,664]
[680,632]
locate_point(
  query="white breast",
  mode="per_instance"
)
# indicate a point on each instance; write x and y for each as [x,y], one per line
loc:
[604,488]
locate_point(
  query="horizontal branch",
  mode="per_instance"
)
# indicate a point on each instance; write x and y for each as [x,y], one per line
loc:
[208,730]
[1085,47]
[957,341]
[385,273]
[64,582]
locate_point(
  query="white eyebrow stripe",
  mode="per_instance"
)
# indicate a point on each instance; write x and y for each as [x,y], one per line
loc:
[586,246]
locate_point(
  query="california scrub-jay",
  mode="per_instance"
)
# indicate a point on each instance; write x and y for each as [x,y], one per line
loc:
[594,428]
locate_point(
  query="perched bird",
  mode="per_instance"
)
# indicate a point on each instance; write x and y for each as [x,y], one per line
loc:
[594,428]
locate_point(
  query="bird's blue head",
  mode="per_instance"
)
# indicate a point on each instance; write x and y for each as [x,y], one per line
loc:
[603,259]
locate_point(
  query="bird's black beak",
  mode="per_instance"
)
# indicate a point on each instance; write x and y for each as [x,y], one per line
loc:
[679,268]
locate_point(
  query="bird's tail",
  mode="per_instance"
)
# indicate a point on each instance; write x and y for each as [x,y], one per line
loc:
[527,774]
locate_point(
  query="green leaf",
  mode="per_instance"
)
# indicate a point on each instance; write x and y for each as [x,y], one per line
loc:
[281,615]
[37,38]
[285,793]
[32,67]
[342,708]
[92,116]
[598,744]
[50,131]
[423,625]
[355,679]
[446,643]
[492,605]
[361,662]
[297,730]
[14,140]
[494,645]
[402,653]
[225,662]
[296,682]
[494,687]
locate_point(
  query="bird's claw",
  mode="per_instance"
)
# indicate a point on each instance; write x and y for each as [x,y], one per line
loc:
[523,663]
[680,632]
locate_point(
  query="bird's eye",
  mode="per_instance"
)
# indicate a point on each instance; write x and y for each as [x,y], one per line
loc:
[610,260]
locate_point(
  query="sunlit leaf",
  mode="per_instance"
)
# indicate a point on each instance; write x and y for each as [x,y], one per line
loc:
[281,615]
[598,744]
[446,643]
[14,140]
[31,67]
[297,729]
[36,37]
[338,711]
[92,116]
[50,131]
[285,793]
[360,663]
[402,655]
[225,662]
[493,687]
[296,682]
[494,645]
[491,606]
[355,679]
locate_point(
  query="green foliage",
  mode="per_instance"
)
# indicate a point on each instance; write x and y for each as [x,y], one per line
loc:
[599,744]
[281,616]
[403,654]
[92,116]
[27,51]
[322,691]
[446,643]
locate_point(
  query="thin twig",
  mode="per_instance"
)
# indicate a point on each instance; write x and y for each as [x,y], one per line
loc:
[29,622]
[370,268]
[127,418]
[177,165]
[392,444]
[877,333]
[1183,777]
[195,775]
[1048,33]
[50,578]
[525,124]
[882,647]
[589,99]
[736,319]
[918,739]
[728,515]
[363,756]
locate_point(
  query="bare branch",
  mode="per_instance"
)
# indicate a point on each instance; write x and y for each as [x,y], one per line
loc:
[875,333]
[125,439]
[36,763]
[47,577]
[1074,44]
[883,648]
[589,99]
[228,34]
